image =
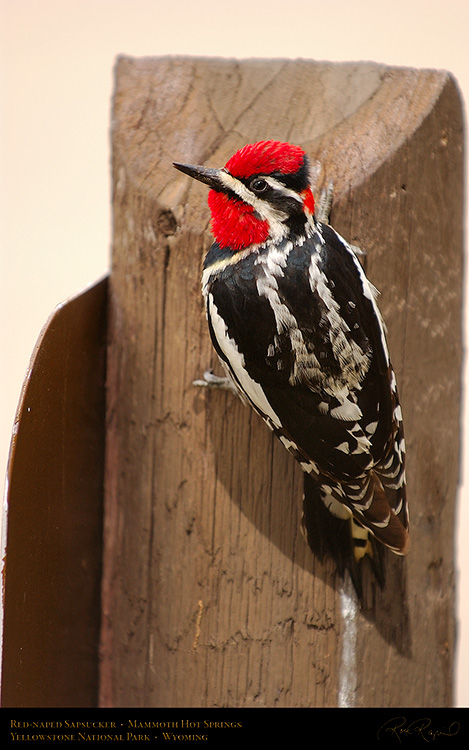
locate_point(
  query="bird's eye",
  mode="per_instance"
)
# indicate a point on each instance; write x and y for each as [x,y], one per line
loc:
[258,185]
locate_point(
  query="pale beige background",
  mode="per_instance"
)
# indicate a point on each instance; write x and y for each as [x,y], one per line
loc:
[56,60]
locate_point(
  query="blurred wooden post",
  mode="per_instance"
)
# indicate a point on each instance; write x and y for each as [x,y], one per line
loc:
[210,594]
[52,565]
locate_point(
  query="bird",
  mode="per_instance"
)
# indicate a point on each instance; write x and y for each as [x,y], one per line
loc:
[295,323]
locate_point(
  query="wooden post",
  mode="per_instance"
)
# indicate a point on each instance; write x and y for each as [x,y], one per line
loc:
[211,596]
[52,565]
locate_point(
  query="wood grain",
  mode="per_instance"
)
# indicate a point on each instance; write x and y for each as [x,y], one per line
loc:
[210,594]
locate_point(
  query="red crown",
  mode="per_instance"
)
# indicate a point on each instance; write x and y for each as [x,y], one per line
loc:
[266,157]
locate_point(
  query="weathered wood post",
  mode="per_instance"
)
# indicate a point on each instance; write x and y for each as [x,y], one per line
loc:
[52,559]
[210,594]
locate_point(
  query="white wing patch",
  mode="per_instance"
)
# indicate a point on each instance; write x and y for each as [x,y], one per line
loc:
[354,362]
[248,387]
[369,291]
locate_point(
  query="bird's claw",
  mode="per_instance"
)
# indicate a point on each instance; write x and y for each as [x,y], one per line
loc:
[215,381]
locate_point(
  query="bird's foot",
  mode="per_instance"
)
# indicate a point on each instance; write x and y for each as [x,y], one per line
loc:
[215,381]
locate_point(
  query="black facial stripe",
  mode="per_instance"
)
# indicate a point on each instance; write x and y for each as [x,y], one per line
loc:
[270,196]
[230,194]
[296,181]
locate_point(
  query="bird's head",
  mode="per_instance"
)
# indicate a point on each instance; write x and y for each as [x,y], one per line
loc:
[261,193]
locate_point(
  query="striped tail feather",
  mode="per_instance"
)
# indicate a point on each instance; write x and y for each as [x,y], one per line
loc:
[340,539]
[383,512]
[368,525]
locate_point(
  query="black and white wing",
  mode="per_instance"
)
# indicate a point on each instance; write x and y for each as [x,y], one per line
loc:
[312,360]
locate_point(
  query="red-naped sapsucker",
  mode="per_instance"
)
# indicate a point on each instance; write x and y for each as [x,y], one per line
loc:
[295,323]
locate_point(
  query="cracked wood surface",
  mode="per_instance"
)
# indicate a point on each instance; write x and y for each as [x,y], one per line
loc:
[210,594]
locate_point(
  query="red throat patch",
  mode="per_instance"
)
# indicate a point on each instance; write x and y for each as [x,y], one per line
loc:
[234,223]
[266,157]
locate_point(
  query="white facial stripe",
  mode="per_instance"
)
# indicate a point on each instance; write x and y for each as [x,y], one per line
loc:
[276,185]
[264,209]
